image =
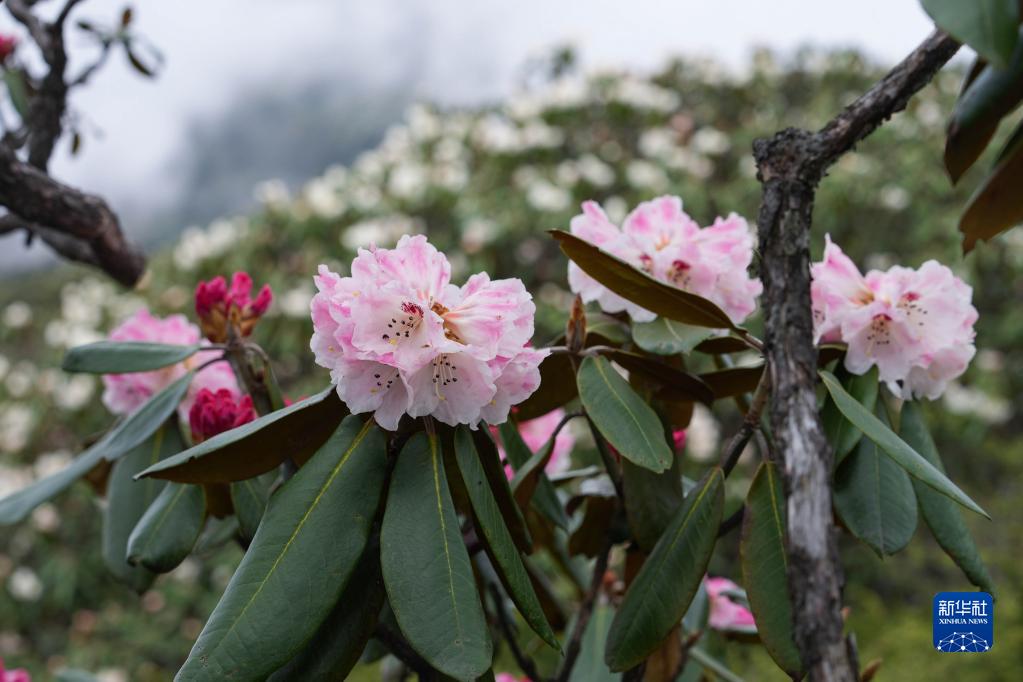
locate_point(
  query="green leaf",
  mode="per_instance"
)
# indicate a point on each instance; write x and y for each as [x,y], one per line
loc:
[338,643]
[874,498]
[429,579]
[993,94]
[674,383]
[762,554]
[127,434]
[128,500]
[905,456]
[840,432]
[498,541]
[621,416]
[257,447]
[728,383]
[305,551]
[664,336]
[722,345]
[530,483]
[997,205]
[651,500]
[168,531]
[988,26]
[665,586]
[638,287]
[557,387]
[121,357]
[15,81]
[249,499]
[590,666]
[942,516]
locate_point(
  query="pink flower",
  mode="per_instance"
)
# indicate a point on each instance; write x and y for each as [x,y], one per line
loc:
[726,614]
[219,307]
[399,338]
[15,675]
[509,677]
[916,326]
[215,412]
[125,393]
[678,437]
[659,238]
[536,432]
[8,44]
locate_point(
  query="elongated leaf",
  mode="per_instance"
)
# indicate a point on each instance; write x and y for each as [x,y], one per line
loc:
[248,498]
[257,447]
[997,204]
[727,383]
[15,82]
[651,500]
[993,94]
[498,541]
[988,26]
[942,516]
[722,345]
[338,643]
[490,460]
[674,383]
[621,416]
[530,482]
[640,288]
[590,666]
[127,434]
[762,553]
[306,548]
[908,458]
[668,337]
[557,387]
[128,500]
[168,531]
[426,568]
[840,432]
[665,586]
[874,498]
[121,357]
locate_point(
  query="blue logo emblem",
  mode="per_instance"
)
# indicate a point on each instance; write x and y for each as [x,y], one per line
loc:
[964,622]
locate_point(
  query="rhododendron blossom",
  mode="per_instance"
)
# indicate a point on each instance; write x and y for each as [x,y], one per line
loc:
[15,675]
[125,393]
[215,412]
[535,434]
[399,338]
[219,306]
[726,614]
[659,238]
[916,326]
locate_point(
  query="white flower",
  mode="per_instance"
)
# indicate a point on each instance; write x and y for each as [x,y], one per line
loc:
[708,140]
[544,196]
[894,198]
[75,392]
[17,315]
[407,180]
[644,175]
[595,171]
[272,194]
[702,435]
[24,585]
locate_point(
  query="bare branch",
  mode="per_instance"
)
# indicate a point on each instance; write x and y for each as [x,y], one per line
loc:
[583,617]
[40,200]
[790,166]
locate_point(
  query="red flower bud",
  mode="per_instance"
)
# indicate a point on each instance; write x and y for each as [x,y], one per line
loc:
[8,44]
[214,413]
[219,306]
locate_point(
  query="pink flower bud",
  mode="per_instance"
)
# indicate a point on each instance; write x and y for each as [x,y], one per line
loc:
[263,301]
[678,436]
[213,413]
[241,287]
[8,44]
[209,295]
[220,307]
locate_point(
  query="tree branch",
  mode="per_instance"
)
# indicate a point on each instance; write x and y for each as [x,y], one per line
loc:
[790,166]
[583,618]
[67,214]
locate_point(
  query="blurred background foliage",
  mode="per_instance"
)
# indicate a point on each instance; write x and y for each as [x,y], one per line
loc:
[485,183]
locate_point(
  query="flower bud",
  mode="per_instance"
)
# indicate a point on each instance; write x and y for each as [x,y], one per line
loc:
[213,413]
[8,44]
[221,308]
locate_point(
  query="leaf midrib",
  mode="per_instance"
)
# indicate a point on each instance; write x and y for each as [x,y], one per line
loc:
[635,419]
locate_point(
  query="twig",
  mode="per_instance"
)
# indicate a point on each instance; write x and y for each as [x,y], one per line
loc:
[609,461]
[749,425]
[585,612]
[397,645]
[524,660]
[732,522]
[790,165]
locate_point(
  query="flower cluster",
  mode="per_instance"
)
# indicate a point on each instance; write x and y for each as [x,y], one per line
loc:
[220,307]
[916,326]
[15,675]
[125,393]
[399,338]
[659,238]
[725,613]
[214,412]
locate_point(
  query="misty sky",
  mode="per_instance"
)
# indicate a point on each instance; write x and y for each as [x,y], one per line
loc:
[452,50]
